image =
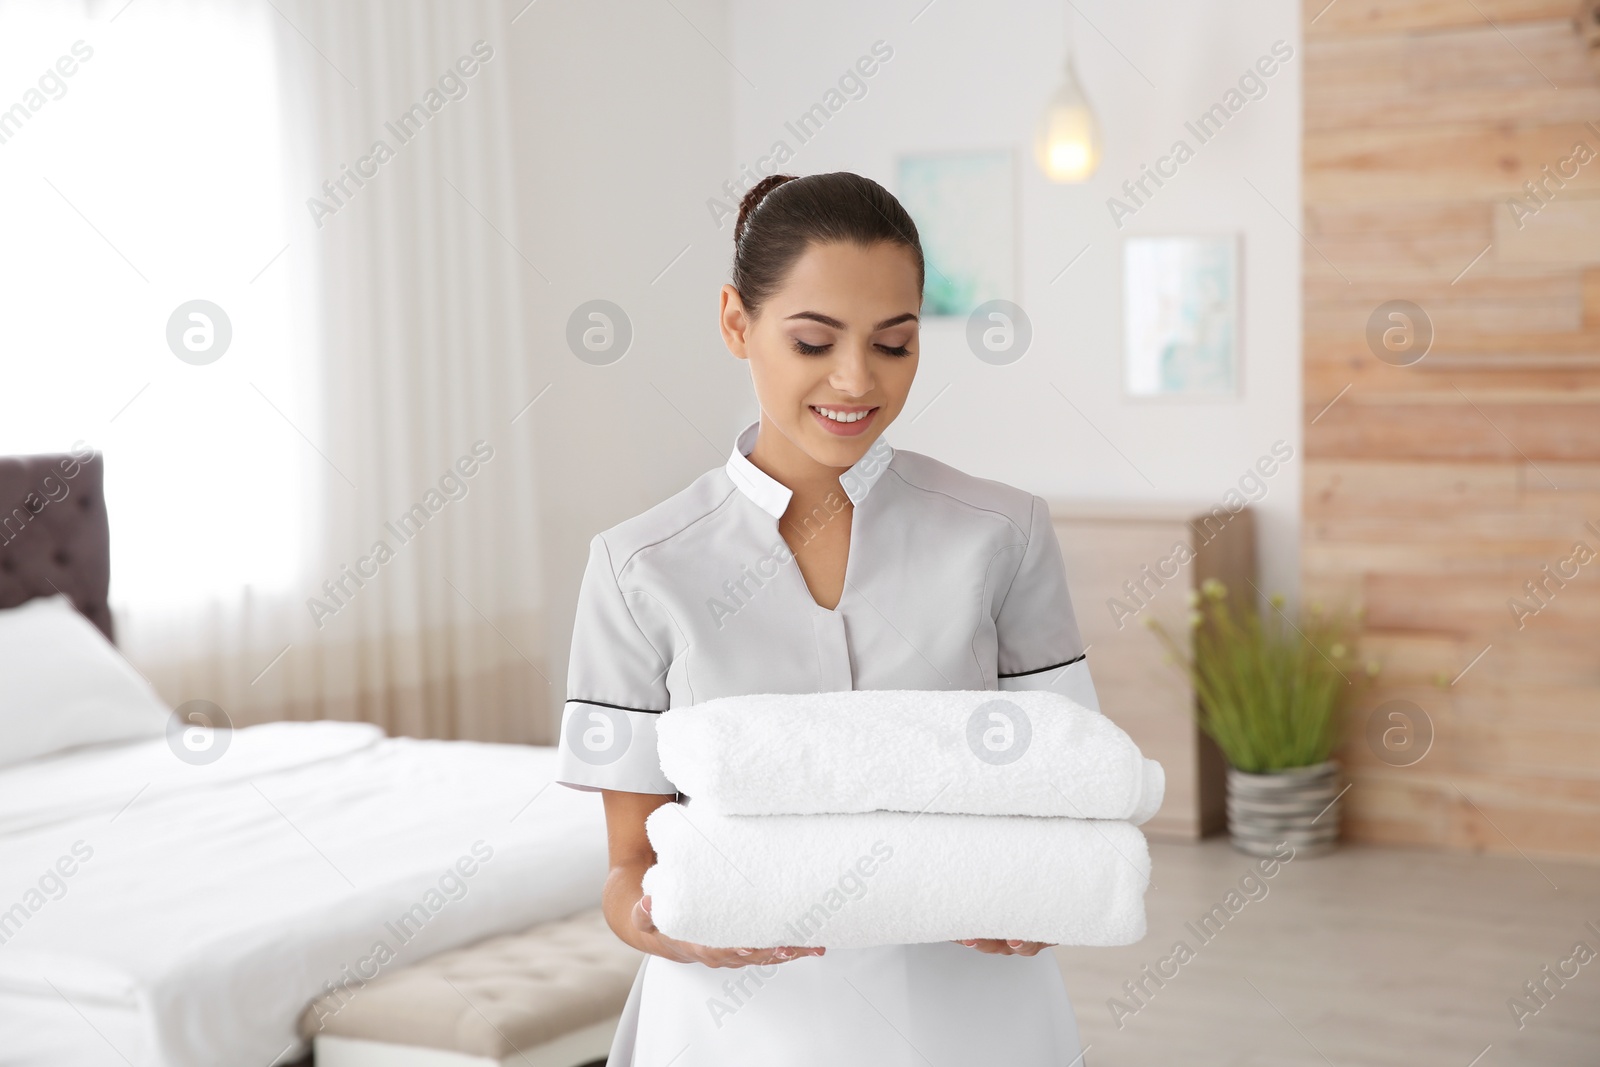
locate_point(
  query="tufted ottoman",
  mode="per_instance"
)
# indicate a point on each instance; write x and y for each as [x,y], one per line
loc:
[547,997]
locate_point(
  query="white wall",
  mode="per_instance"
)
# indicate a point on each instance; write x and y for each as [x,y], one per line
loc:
[633,116]
[968,76]
[623,122]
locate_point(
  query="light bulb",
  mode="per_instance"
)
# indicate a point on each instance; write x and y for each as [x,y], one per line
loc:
[1066,142]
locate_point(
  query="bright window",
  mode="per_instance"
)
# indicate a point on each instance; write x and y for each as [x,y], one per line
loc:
[150,176]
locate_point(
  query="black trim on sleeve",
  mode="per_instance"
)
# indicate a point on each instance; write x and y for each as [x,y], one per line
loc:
[1053,666]
[619,707]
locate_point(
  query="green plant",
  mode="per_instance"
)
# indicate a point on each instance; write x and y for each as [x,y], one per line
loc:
[1271,692]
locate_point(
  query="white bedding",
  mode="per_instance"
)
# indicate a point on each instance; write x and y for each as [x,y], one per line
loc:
[212,908]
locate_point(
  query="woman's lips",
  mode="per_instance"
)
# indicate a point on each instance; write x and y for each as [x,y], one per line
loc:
[844,429]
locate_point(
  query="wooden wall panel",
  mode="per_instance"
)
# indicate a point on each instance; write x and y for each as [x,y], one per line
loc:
[1561,232]
[1427,161]
[1441,496]
[1450,76]
[1388,17]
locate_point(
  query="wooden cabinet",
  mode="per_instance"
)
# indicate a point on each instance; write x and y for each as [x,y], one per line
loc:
[1127,560]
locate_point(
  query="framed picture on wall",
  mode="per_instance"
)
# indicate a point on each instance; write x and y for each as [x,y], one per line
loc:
[1180,316]
[964,205]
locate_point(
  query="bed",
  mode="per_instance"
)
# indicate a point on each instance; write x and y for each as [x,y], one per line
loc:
[157,912]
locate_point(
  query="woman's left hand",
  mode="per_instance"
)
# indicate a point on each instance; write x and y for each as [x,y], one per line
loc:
[994,945]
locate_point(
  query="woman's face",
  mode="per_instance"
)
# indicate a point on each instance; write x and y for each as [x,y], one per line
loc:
[841,335]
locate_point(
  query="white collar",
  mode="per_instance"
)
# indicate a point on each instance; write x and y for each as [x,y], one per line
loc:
[772,496]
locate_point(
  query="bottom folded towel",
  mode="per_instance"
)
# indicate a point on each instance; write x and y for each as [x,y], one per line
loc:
[894,877]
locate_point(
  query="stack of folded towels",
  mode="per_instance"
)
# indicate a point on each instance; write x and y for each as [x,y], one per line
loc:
[877,817]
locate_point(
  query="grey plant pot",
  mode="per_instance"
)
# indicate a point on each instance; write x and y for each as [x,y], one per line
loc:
[1298,806]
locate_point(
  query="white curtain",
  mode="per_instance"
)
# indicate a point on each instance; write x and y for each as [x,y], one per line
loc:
[336,517]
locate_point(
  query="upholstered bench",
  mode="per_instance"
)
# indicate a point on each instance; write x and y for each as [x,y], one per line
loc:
[549,996]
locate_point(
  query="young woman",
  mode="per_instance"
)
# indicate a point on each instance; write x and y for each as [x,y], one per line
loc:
[817,559]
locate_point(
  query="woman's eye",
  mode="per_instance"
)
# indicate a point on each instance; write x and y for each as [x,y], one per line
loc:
[813,350]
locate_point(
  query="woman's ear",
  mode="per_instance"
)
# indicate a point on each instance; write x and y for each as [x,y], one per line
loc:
[734,322]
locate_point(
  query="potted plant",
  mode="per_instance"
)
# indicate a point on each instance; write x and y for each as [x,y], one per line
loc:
[1272,694]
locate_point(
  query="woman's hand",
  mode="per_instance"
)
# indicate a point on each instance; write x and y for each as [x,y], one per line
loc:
[626,907]
[1012,947]
[689,952]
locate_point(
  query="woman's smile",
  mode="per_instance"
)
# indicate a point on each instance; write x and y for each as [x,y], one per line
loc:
[845,421]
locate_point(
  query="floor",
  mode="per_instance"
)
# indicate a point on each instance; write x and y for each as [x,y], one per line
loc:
[1363,957]
[1366,956]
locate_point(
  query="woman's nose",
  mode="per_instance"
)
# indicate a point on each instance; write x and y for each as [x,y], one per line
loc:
[852,376]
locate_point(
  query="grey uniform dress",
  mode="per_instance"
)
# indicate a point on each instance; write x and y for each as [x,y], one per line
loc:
[952,582]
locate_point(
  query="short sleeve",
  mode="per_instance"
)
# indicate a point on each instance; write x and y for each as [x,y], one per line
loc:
[1039,643]
[616,689]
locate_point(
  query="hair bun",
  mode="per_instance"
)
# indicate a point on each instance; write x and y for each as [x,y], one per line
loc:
[752,200]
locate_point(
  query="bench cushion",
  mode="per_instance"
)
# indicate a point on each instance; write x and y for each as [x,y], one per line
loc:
[494,998]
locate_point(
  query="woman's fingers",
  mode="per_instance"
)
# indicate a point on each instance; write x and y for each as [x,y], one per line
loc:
[1006,947]
[741,956]
[780,954]
[686,951]
[760,957]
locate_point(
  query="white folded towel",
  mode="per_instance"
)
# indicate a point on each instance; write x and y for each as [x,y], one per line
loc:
[977,752]
[892,877]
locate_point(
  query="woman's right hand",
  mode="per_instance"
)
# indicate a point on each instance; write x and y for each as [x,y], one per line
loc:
[689,952]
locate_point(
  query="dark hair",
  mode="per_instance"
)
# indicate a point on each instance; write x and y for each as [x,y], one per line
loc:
[782,214]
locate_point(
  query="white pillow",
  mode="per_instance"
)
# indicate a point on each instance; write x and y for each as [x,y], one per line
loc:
[62,684]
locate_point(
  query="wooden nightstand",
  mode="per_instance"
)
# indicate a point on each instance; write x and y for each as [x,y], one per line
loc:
[1129,559]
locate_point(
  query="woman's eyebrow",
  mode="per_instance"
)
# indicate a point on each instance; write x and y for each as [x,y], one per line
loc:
[828,320]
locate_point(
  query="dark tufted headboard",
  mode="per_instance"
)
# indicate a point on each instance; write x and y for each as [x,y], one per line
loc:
[53,532]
